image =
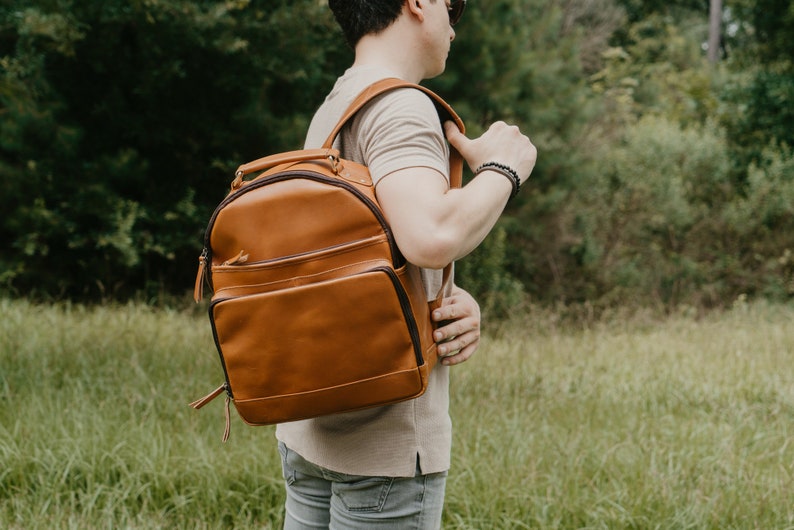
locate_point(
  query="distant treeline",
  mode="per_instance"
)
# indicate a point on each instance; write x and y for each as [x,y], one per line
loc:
[662,179]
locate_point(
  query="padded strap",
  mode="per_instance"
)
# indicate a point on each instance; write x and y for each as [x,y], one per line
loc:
[445,112]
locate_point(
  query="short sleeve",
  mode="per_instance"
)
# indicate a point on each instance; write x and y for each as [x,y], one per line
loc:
[398,130]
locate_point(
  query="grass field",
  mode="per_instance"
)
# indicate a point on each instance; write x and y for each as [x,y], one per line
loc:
[630,422]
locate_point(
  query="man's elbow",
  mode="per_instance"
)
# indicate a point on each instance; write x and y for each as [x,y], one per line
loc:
[433,252]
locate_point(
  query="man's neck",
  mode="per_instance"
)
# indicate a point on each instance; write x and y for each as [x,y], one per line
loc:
[393,49]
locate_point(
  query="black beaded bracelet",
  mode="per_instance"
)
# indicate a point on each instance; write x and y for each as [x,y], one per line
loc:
[507,171]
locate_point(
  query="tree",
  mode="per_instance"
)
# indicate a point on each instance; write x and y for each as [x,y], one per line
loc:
[715,25]
[760,110]
[122,123]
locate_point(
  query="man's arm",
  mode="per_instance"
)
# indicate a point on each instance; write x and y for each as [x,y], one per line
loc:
[434,225]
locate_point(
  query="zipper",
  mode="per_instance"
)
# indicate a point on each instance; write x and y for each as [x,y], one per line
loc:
[227,385]
[397,257]
[354,245]
[405,305]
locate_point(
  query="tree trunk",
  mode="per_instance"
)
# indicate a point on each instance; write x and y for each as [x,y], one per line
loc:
[715,24]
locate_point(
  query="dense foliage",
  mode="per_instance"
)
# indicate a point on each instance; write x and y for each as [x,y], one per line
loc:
[122,122]
[661,179]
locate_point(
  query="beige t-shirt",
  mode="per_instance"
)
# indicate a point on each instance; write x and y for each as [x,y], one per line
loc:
[397,130]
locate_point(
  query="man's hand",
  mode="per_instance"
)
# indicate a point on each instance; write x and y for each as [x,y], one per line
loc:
[459,337]
[434,225]
[501,143]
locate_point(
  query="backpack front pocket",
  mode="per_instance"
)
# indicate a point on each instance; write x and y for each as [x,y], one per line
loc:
[308,341]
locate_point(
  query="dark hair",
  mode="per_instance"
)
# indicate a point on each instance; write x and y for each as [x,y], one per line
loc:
[361,17]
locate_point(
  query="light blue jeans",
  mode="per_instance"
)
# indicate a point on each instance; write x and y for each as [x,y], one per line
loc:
[319,498]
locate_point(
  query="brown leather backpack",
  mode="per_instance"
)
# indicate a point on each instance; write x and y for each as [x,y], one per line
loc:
[314,311]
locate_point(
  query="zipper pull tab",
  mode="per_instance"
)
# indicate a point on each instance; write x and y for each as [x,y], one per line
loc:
[212,395]
[198,289]
[228,428]
[242,257]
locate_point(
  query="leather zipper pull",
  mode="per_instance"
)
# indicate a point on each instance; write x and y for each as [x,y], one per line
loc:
[242,257]
[209,397]
[228,428]
[198,289]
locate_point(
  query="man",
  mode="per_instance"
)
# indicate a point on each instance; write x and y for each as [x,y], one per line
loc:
[386,467]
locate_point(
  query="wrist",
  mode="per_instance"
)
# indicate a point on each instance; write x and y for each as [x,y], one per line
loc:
[505,170]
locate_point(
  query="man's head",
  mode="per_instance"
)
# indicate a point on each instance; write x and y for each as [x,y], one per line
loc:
[361,17]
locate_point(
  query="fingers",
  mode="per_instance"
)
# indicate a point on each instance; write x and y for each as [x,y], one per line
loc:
[454,136]
[506,144]
[501,143]
[453,334]
[460,348]
[461,356]
[458,335]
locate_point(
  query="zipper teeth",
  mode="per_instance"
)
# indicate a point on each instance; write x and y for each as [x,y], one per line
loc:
[317,177]
[218,347]
[405,305]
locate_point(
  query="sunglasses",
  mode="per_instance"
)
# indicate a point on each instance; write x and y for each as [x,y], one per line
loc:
[455,10]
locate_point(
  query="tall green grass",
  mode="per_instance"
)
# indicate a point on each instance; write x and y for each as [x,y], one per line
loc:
[95,431]
[634,422]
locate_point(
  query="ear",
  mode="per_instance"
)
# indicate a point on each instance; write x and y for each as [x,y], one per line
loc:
[416,9]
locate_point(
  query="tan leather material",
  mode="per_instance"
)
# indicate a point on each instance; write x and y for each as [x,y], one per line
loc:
[298,270]
[314,310]
[289,217]
[290,283]
[318,342]
[390,388]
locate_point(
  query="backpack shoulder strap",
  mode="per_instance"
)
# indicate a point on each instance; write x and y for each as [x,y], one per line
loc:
[445,112]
